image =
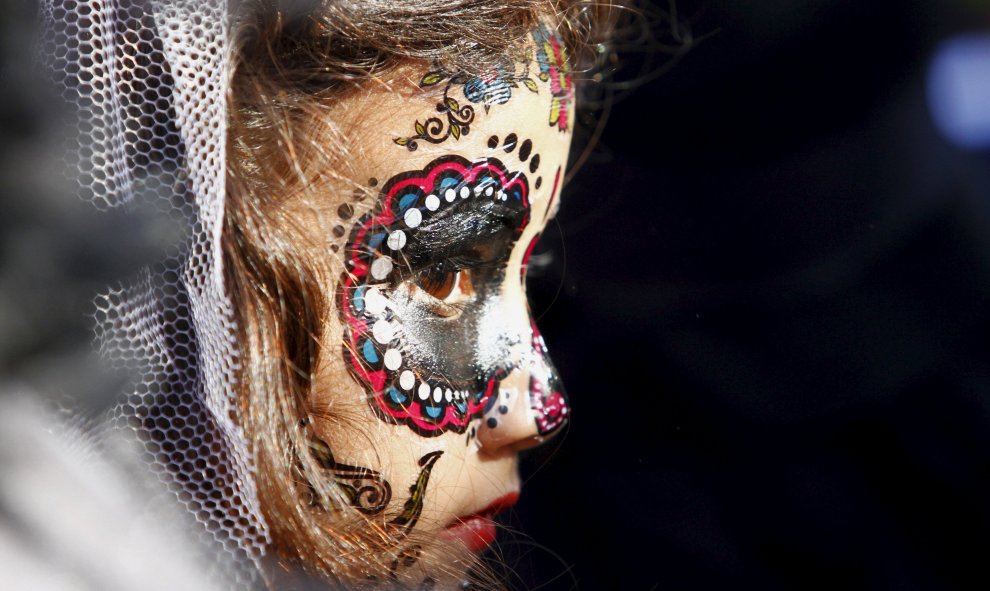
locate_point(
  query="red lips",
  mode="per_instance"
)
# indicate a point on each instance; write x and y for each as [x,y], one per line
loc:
[477,530]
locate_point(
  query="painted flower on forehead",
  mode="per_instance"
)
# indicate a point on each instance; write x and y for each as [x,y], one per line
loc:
[555,69]
[421,368]
[491,87]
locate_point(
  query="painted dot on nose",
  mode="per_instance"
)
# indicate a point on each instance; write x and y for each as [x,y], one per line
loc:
[503,409]
[492,423]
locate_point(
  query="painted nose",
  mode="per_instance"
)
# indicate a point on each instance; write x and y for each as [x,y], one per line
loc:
[529,407]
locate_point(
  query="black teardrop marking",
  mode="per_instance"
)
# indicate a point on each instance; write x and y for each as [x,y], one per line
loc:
[510,142]
[524,150]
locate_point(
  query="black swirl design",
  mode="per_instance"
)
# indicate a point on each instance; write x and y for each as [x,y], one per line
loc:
[366,490]
[456,122]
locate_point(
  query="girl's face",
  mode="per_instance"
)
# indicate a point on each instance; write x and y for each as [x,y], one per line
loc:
[432,375]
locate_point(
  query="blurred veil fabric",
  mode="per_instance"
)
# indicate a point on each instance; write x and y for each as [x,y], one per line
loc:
[145,83]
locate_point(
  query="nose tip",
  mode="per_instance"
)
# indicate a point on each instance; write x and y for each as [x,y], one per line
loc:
[529,407]
[516,419]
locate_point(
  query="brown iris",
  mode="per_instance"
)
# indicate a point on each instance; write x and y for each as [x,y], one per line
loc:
[439,281]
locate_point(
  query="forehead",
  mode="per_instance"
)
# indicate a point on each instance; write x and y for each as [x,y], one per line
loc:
[516,113]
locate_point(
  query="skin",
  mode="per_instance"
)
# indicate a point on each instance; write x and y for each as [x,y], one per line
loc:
[479,459]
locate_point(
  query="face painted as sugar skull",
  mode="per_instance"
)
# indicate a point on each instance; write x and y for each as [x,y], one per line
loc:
[432,352]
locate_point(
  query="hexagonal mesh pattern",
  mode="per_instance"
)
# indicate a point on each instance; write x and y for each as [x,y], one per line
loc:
[146,83]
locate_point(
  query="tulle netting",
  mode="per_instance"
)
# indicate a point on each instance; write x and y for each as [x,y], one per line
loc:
[146,86]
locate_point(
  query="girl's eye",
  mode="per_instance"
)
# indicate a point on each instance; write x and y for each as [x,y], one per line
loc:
[439,281]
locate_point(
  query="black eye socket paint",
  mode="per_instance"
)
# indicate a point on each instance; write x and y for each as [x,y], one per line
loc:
[472,234]
[424,370]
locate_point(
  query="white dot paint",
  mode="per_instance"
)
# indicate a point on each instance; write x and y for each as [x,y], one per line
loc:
[374,301]
[432,202]
[393,359]
[437,394]
[413,217]
[424,391]
[449,195]
[383,331]
[465,192]
[407,380]
[381,268]
[396,240]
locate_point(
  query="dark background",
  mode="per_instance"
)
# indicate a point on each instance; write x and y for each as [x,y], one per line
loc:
[770,308]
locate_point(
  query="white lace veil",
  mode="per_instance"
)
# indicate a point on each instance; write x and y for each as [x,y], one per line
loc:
[146,84]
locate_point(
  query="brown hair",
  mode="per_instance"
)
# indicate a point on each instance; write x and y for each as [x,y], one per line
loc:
[291,58]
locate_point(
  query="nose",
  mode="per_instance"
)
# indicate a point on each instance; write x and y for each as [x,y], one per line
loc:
[529,407]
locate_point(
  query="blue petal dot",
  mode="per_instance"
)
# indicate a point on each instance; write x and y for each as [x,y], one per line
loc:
[376,240]
[396,396]
[358,298]
[406,201]
[370,354]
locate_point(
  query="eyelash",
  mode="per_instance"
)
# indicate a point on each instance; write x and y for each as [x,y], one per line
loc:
[439,281]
